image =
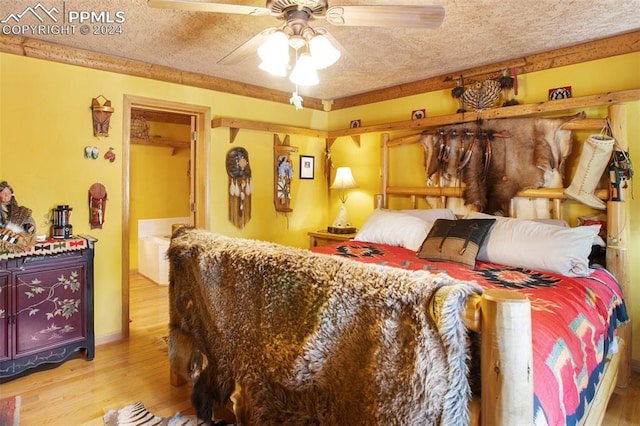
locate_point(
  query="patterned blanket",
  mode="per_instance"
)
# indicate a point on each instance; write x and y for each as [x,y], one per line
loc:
[293,337]
[573,322]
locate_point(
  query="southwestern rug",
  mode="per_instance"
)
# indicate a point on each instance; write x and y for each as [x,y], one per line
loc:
[10,410]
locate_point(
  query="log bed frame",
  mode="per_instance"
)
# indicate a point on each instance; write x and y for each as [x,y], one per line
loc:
[503,316]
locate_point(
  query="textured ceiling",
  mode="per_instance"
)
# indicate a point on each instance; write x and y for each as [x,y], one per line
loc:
[474,33]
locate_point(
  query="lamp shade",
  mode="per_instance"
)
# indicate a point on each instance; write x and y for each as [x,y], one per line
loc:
[344,179]
[323,53]
[276,47]
[304,73]
[274,68]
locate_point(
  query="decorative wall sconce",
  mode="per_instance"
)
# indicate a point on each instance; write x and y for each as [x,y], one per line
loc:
[101,114]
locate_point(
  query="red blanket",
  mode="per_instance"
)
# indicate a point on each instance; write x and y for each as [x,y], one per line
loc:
[573,322]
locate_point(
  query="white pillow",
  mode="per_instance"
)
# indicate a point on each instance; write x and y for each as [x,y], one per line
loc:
[538,246]
[430,215]
[395,229]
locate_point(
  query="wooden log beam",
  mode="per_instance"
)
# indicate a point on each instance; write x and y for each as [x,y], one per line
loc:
[24,46]
[40,49]
[452,191]
[590,51]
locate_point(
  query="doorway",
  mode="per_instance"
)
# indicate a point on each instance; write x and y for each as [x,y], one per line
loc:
[199,118]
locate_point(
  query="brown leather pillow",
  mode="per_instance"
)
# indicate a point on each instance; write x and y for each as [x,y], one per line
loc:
[455,240]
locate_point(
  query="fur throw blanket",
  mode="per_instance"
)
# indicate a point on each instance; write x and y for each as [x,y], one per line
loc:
[293,337]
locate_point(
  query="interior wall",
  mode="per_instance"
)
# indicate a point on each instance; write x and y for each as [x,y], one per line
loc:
[45,123]
[596,77]
[42,140]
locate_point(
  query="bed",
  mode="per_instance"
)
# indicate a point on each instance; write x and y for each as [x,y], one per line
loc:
[565,379]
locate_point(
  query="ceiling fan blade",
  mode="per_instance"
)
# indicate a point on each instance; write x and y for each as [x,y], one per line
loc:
[386,16]
[199,6]
[247,48]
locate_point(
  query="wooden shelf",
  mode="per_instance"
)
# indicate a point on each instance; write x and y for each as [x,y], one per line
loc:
[160,141]
[547,107]
[235,125]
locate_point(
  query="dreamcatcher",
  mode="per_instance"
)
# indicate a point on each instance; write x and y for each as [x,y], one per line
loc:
[240,187]
[485,94]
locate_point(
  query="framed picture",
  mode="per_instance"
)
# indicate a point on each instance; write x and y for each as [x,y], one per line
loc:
[306,166]
[560,93]
[418,114]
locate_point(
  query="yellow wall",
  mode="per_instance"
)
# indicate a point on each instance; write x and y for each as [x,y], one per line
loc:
[159,181]
[159,188]
[45,122]
[613,74]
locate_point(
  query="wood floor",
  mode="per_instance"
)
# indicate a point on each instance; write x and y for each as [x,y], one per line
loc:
[80,392]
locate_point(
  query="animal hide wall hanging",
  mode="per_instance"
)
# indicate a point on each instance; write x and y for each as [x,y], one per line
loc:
[495,159]
[240,187]
[283,173]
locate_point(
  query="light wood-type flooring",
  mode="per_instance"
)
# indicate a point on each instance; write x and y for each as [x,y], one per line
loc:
[78,392]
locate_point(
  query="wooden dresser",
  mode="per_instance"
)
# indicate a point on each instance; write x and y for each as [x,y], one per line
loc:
[46,304]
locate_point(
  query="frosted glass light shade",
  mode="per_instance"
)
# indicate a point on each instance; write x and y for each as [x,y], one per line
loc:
[323,53]
[277,44]
[274,68]
[304,73]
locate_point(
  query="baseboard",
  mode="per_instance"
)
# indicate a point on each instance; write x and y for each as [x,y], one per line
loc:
[108,338]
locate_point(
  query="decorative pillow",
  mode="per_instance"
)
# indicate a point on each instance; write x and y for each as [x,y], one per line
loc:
[430,215]
[394,228]
[539,246]
[455,240]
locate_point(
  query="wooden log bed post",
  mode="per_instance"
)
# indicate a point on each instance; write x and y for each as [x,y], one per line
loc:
[506,359]
[618,234]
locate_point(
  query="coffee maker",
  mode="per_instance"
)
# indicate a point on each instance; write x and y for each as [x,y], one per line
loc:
[62,229]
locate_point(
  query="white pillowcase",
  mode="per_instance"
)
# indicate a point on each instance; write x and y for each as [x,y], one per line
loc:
[538,246]
[430,215]
[395,229]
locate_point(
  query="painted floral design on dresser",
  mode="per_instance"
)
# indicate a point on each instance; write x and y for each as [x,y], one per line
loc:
[49,307]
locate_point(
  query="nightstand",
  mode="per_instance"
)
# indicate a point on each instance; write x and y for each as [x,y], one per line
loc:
[323,238]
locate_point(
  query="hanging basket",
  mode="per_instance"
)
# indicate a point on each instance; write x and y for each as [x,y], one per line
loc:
[139,127]
[101,114]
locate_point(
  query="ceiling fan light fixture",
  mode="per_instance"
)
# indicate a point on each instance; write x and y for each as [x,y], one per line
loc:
[274,68]
[304,73]
[323,53]
[275,48]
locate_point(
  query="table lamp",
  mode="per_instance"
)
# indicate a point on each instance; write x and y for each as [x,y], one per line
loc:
[343,180]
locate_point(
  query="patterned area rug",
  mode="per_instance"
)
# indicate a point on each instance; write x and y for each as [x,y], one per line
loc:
[10,411]
[138,415]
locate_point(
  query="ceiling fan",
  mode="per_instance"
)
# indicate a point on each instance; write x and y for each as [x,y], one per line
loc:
[297,14]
